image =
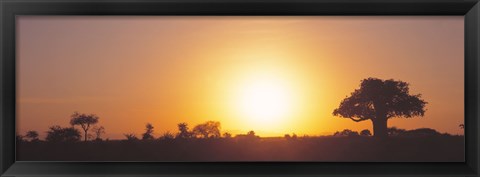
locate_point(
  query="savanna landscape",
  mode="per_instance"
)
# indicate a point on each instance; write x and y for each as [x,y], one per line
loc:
[210,89]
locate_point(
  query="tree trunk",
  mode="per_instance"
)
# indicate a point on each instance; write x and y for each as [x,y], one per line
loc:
[380,128]
[86,135]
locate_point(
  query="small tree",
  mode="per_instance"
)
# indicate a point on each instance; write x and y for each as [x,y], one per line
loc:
[251,133]
[290,137]
[32,136]
[131,137]
[98,131]
[59,134]
[379,100]
[346,132]
[209,129]
[167,136]
[394,131]
[227,135]
[148,135]
[84,120]
[365,132]
[19,138]
[183,131]
[294,136]
[249,137]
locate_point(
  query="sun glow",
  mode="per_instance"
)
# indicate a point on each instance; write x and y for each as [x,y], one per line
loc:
[265,102]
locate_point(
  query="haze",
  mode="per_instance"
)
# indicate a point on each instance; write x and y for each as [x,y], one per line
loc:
[273,75]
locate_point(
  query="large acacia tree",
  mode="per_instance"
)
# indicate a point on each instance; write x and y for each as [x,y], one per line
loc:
[379,100]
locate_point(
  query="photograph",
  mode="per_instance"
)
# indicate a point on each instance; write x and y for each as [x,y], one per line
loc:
[240,88]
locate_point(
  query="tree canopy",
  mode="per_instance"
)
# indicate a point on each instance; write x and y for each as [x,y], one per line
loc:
[209,129]
[148,135]
[59,134]
[379,100]
[32,135]
[183,131]
[84,120]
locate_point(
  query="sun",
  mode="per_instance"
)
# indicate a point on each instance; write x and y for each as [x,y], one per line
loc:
[265,101]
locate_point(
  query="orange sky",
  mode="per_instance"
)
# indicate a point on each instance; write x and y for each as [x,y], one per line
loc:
[167,70]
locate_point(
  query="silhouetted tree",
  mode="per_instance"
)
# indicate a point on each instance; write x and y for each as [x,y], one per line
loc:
[365,132]
[250,136]
[19,138]
[294,136]
[394,131]
[209,129]
[183,131]
[227,135]
[148,135]
[251,133]
[84,120]
[422,132]
[98,131]
[379,100]
[167,136]
[346,132]
[59,134]
[131,137]
[32,136]
[287,136]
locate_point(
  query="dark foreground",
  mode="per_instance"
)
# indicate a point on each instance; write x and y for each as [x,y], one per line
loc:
[344,149]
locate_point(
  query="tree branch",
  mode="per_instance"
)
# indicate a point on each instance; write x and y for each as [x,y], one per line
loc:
[359,119]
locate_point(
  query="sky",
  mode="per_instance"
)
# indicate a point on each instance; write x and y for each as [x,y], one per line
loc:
[272,75]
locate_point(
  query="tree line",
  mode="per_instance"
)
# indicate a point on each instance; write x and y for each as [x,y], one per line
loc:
[376,100]
[206,130]
[90,131]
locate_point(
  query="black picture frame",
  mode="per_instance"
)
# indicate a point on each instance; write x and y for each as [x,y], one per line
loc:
[9,9]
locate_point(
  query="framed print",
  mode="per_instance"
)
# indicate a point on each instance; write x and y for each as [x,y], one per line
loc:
[239,88]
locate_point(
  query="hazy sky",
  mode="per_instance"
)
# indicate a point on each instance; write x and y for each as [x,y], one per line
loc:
[166,70]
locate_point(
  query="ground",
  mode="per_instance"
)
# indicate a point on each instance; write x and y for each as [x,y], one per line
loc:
[324,149]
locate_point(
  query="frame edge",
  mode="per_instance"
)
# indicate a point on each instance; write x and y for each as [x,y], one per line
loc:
[472,64]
